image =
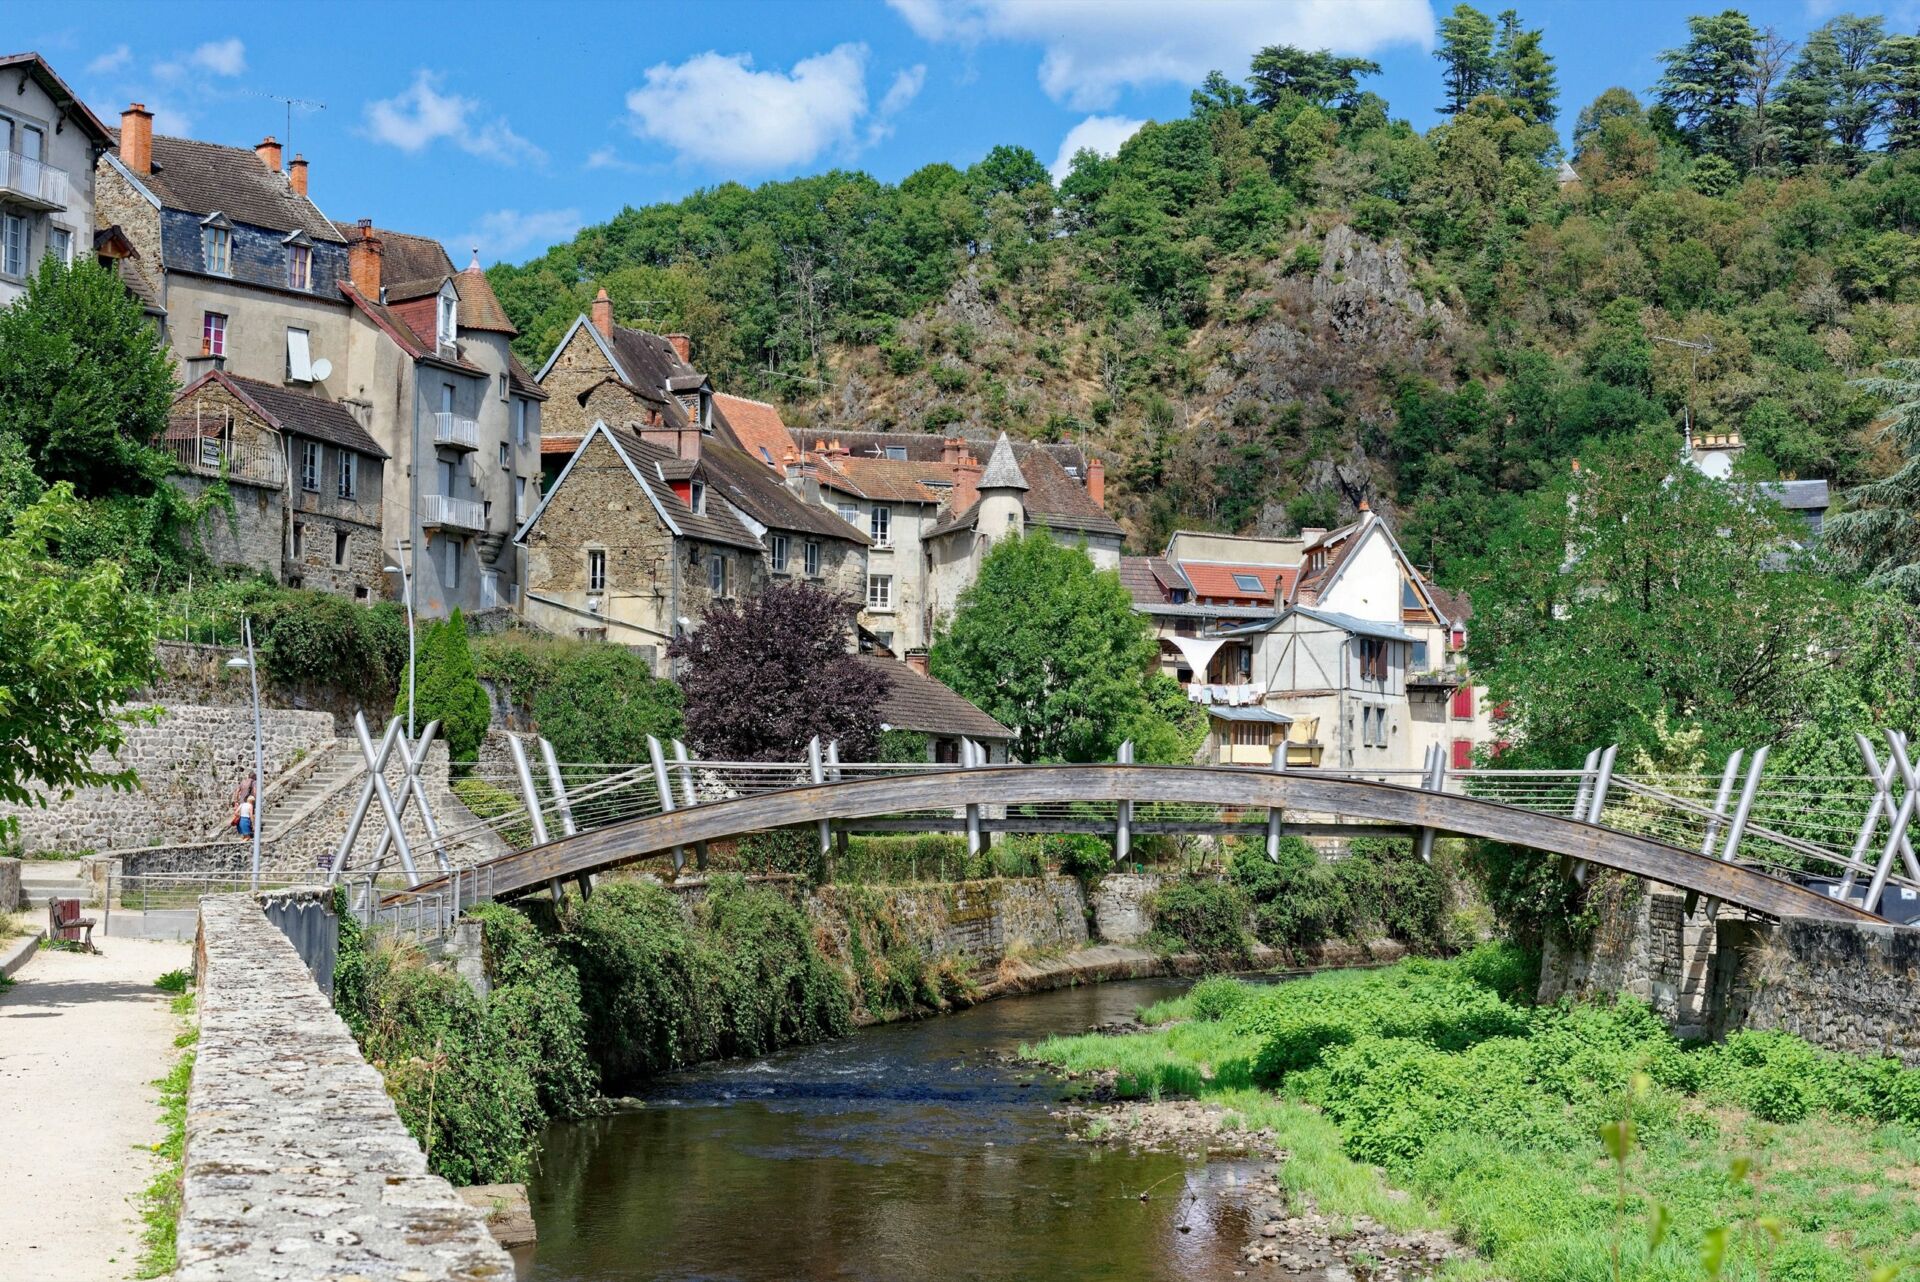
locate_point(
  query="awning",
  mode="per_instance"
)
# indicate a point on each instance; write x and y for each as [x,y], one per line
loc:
[1198,652]
[1265,715]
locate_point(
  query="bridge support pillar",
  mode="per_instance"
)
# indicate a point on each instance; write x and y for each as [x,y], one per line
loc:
[664,784]
[376,765]
[816,769]
[687,793]
[1434,780]
[971,759]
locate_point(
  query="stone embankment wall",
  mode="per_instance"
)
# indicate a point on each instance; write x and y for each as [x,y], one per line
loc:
[297,1165]
[1644,946]
[194,672]
[189,762]
[982,920]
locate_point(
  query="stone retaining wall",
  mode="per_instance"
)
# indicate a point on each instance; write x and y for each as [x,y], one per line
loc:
[1846,987]
[9,885]
[1119,904]
[297,1165]
[189,763]
[983,920]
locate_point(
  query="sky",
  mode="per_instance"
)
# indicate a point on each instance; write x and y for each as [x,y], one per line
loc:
[503,128]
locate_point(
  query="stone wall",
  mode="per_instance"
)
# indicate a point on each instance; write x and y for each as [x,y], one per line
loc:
[1120,913]
[1848,987]
[9,885]
[982,920]
[1646,946]
[189,763]
[196,673]
[297,1165]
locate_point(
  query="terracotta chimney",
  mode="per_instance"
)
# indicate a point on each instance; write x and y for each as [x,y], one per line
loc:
[917,660]
[953,450]
[603,315]
[136,138]
[363,260]
[1364,506]
[297,174]
[1097,481]
[268,149]
[683,347]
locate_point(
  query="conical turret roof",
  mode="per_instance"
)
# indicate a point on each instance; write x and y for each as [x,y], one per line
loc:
[1002,472]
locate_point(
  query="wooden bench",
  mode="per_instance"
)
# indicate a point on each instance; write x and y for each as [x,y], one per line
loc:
[65,922]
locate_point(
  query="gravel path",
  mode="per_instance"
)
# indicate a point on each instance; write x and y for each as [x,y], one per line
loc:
[81,1040]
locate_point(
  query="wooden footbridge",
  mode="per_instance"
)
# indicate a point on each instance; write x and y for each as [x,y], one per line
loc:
[1832,848]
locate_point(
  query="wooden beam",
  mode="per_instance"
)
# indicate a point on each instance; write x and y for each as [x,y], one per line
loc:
[1104,827]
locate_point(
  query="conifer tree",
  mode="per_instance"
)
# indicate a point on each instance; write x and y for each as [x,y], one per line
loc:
[1900,56]
[1524,71]
[1466,51]
[1706,82]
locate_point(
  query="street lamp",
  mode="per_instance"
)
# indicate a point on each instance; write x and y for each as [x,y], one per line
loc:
[406,591]
[259,749]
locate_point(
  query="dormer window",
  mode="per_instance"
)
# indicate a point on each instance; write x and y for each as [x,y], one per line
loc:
[299,268]
[697,499]
[447,324]
[216,244]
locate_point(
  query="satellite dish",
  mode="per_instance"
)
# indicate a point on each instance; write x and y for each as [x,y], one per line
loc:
[322,368]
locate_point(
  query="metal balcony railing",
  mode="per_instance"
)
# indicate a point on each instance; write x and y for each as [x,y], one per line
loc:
[451,513]
[249,464]
[455,432]
[32,182]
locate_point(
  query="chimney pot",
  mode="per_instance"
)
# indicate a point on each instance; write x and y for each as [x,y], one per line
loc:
[297,174]
[1097,482]
[268,149]
[683,347]
[136,138]
[917,660]
[603,315]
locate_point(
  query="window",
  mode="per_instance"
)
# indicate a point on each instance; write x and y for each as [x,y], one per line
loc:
[813,560]
[779,554]
[520,423]
[1373,659]
[217,245]
[879,592]
[1419,660]
[1250,584]
[446,398]
[717,574]
[505,456]
[299,539]
[898,453]
[213,334]
[697,499]
[503,385]
[349,469]
[1463,704]
[884,640]
[850,513]
[447,325]
[299,357]
[1251,734]
[450,564]
[520,498]
[60,245]
[340,544]
[310,466]
[1463,754]
[596,570]
[1410,596]
[299,267]
[1373,726]
[13,245]
[880,526]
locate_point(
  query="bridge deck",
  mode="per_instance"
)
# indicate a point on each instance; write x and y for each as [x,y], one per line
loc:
[1295,791]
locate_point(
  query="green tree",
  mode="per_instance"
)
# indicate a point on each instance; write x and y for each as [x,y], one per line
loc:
[85,381]
[1877,531]
[1524,72]
[1900,55]
[1466,54]
[1706,80]
[75,645]
[1840,67]
[602,702]
[447,689]
[1318,79]
[1051,648]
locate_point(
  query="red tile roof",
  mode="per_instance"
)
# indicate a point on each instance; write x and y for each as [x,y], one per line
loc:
[1213,581]
[757,426]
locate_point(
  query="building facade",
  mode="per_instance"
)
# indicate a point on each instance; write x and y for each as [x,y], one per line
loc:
[49,142]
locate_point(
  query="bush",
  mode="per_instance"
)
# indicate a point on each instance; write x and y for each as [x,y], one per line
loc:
[1217,997]
[1300,900]
[535,1002]
[1205,917]
[595,702]
[1079,854]
[447,690]
[1508,971]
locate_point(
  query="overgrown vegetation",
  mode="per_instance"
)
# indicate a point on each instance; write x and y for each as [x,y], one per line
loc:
[593,702]
[1202,916]
[160,1200]
[445,688]
[1492,1114]
[892,973]
[1378,888]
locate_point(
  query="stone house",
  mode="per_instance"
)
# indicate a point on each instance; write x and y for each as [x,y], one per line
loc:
[894,502]
[603,372]
[915,701]
[304,476]
[49,141]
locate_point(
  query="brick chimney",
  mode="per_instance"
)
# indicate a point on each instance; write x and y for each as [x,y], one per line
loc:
[297,174]
[681,442]
[917,660]
[953,450]
[683,347]
[1097,481]
[268,149]
[364,253]
[603,315]
[136,138]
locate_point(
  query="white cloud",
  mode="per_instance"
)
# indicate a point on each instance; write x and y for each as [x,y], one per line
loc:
[114,59]
[1103,134]
[508,231]
[608,158]
[905,88]
[222,57]
[716,109]
[1092,51]
[421,115]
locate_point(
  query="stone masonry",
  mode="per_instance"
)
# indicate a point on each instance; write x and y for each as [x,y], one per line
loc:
[983,920]
[297,1166]
[1644,946]
[1849,988]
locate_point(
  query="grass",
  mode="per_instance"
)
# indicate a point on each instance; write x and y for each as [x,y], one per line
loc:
[174,981]
[160,1201]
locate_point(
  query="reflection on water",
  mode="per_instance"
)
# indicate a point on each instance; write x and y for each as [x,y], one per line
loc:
[900,1152]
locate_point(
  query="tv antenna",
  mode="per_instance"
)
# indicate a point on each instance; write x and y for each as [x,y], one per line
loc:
[771,372]
[1693,372]
[305,104]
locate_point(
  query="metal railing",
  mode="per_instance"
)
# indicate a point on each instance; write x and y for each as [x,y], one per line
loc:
[36,180]
[452,513]
[455,432]
[262,465]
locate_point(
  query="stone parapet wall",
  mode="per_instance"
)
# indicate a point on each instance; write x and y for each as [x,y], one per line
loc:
[1851,988]
[194,672]
[297,1165]
[1645,946]
[189,762]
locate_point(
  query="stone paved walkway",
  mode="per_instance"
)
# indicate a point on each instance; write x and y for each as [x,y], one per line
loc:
[81,1040]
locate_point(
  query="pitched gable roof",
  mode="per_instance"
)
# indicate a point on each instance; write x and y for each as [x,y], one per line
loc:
[289,410]
[206,178]
[1059,502]
[886,480]
[396,327]
[915,702]
[69,102]
[757,426]
[644,462]
[755,490]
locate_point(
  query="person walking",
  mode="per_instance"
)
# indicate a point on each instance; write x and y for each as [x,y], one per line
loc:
[243,817]
[244,794]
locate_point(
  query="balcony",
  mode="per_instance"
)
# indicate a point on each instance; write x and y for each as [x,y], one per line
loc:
[208,456]
[454,432]
[32,183]
[439,511]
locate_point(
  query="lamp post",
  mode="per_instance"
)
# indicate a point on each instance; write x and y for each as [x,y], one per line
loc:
[259,749]
[406,591]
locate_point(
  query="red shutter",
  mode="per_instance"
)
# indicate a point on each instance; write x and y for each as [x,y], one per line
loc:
[1459,638]
[1463,754]
[1463,703]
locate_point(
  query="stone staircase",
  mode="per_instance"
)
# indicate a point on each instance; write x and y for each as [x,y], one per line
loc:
[45,879]
[299,786]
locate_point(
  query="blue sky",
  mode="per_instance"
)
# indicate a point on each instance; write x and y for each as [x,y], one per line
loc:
[508,126]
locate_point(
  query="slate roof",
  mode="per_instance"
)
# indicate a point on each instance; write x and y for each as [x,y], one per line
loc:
[747,484]
[521,381]
[1002,473]
[1247,712]
[1798,496]
[205,178]
[955,518]
[290,410]
[927,447]
[1350,623]
[1457,606]
[914,702]
[757,426]
[42,71]
[712,526]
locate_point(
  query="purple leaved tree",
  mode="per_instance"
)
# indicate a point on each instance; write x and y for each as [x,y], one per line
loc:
[763,678]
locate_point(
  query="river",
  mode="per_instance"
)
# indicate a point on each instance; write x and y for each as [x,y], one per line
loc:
[905,1151]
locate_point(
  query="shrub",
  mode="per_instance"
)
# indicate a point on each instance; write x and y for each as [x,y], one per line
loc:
[446,689]
[773,987]
[1079,854]
[1508,971]
[595,702]
[535,1002]
[1217,997]
[1205,917]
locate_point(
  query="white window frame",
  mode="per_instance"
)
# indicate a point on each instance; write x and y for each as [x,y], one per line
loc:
[15,237]
[216,250]
[213,337]
[520,498]
[880,525]
[880,593]
[778,553]
[596,569]
[810,561]
[349,475]
[506,455]
[697,497]
[310,466]
[850,513]
[446,317]
[898,453]
[60,243]
[718,574]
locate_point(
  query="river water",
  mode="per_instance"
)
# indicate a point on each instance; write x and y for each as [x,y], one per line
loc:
[908,1151]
